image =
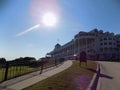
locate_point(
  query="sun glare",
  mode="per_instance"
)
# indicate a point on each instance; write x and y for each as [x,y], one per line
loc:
[49,19]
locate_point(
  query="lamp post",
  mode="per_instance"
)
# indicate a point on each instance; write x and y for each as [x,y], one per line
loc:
[74,50]
[75,57]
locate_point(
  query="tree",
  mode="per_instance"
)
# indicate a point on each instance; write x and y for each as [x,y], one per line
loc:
[2,60]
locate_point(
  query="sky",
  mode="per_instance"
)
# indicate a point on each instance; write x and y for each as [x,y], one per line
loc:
[22,32]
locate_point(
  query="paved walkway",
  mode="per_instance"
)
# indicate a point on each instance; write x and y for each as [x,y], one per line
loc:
[30,79]
[110,76]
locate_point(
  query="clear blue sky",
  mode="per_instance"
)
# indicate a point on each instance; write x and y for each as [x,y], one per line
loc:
[74,16]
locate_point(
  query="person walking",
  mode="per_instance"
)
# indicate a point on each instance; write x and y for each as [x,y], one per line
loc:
[82,58]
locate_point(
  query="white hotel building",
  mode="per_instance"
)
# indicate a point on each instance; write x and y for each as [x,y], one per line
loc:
[97,44]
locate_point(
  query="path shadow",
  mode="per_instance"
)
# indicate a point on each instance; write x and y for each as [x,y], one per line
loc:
[106,76]
[98,75]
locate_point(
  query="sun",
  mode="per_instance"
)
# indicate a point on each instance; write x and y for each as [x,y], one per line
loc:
[49,19]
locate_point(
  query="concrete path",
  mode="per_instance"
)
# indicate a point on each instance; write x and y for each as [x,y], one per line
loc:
[21,82]
[109,76]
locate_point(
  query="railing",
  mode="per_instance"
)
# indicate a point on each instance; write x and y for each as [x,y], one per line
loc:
[12,69]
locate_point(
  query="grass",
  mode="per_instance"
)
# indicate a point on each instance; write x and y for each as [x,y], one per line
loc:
[73,78]
[15,71]
[2,73]
[18,70]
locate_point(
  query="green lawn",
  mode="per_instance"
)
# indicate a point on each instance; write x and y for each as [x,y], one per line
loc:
[15,71]
[2,70]
[74,78]
[20,70]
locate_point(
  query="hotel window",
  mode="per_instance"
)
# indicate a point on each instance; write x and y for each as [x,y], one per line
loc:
[105,38]
[93,34]
[101,39]
[105,43]
[110,43]
[113,38]
[110,38]
[115,49]
[101,43]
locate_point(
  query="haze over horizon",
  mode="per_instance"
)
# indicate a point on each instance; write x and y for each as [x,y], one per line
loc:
[23,33]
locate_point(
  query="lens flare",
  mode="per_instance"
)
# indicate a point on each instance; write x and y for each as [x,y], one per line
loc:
[49,19]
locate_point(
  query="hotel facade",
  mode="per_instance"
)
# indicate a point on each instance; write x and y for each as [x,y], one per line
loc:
[97,45]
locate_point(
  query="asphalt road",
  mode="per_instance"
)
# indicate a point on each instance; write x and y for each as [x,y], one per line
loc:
[110,76]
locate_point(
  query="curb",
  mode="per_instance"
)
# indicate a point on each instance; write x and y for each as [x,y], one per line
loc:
[100,80]
[94,79]
[99,84]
